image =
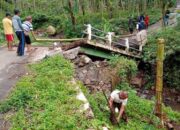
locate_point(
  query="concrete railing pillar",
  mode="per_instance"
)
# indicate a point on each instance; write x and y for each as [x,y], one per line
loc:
[89,31]
[127,44]
[109,38]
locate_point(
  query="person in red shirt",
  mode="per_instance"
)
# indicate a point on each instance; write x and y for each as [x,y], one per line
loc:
[8,30]
[146,20]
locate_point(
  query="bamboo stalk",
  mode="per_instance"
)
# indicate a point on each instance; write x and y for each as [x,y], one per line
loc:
[55,40]
[159,79]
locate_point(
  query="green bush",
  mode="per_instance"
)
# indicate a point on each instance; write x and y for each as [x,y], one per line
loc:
[172,52]
[139,112]
[126,68]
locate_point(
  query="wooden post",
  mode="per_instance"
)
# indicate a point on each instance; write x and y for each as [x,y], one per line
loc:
[159,79]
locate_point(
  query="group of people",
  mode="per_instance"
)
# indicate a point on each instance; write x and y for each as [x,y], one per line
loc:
[142,23]
[21,30]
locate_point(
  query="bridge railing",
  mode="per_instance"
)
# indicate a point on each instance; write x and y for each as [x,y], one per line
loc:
[110,38]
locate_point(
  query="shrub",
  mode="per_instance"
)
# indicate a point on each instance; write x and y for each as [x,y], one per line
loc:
[171,61]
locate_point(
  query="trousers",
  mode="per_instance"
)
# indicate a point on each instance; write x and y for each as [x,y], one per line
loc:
[112,114]
[21,46]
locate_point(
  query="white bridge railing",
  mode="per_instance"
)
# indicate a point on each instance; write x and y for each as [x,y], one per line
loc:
[109,38]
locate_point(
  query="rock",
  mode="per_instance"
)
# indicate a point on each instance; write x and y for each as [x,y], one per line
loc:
[145,91]
[105,128]
[87,81]
[81,64]
[173,90]
[168,99]
[81,76]
[97,63]
[153,88]
[71,54]
[57,51]
[84,60]
[85,106]
[89,114]
[136,81]
[90,129]
[84,71]
[104,63]
[143,96]
[51,30]
[178,99]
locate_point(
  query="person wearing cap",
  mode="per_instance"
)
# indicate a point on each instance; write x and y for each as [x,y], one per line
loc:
[8,31]
[118,99]
[16,20]
[27,26]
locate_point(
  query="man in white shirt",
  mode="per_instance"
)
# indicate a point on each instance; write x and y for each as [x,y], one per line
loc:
[27,26]
[118,99]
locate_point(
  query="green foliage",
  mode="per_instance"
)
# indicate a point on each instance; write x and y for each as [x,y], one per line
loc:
[126,68]
[172,52]
[2,37]
[45,99]
[139,112]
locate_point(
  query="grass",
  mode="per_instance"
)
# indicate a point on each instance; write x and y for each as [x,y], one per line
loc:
[139,112]
[45,100]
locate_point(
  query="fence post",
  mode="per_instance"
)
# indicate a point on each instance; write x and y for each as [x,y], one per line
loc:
[159,79]
[89,32]
[109,37]
[127,44]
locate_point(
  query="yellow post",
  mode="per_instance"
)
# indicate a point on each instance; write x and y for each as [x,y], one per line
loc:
[159,79]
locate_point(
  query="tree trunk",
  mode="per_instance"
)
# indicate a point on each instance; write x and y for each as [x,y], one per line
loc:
[73,19]
[34,5]
[15,4]
[82,7]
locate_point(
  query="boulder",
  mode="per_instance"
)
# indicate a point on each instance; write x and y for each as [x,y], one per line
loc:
[51,30]
[84,60]
[71,54]
[56,51]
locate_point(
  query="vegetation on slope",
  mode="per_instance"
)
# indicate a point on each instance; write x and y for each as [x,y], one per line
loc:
[172,54]
[45,99]
[139,111]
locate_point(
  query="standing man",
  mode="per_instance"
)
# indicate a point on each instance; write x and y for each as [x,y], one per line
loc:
[16,20]
[131,25]
[166,18]
[141,18]
[27,26]
[118,99]
[8,31]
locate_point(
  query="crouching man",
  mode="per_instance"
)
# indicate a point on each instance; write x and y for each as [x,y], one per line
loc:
[118,99]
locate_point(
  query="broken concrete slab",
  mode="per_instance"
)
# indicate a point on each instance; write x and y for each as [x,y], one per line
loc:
[71,54]
[85,107]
